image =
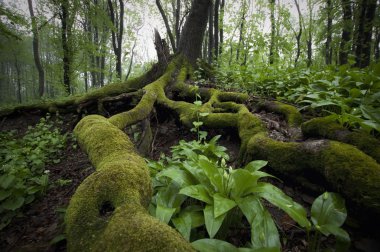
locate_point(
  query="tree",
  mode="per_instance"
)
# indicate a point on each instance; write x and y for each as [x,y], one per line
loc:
[346,31]
[167,25]
[117,19]
[272,4]
[109,209]
[299,34]
[363,32]
[36,51]
[328,48]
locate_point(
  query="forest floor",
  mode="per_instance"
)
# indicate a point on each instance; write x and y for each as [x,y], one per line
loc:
[43,220]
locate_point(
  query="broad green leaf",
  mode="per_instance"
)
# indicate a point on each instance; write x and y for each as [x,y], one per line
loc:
[264,233]
[4,194]
[212,224]
[212,172]
[338,232]
[197,124]
[13,203]
[183,224]
[213,245]
[178,175]
[241,182]
[6,181]
[164,214]
[198,192]
[328,209]
[255,165]
[278,198]
[222,204]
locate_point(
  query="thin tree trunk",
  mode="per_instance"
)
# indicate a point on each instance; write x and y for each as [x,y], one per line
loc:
[328,49]
[130,62]
[273,31]
[177,23]
[168,30]
[299,34]
[221,28]
[36,52]
[242,23]
[346,32]
[65,34]
[216,29]
[210,34]
[117,36]
[310,37]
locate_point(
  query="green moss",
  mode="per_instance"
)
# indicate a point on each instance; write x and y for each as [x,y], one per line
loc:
[291,113]
[353,174]
[122,183]
[328,127]
[233,96]
[348,170]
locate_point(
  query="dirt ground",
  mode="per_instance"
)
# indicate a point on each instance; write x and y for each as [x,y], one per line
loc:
[43,220]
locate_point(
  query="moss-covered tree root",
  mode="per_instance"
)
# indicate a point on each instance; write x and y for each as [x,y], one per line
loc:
[109,209]
[328,127]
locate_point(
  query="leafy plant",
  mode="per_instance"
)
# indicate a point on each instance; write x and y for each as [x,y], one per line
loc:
[22,166]
[196,188]
[328,214]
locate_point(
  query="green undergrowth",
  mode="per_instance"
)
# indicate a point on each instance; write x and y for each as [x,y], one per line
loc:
[23,161]
[203,198]
[351,94]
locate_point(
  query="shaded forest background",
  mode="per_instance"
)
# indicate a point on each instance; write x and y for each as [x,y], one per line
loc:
[55,48]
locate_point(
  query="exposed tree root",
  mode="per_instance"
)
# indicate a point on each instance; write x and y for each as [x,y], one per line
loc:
[122,177]
[109,210]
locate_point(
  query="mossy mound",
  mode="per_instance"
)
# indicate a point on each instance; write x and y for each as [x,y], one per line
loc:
[328,127]
[346,169]
[292,116]
[108,212]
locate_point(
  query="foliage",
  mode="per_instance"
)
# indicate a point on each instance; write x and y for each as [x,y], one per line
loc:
[23,176]
[328,214]
[195,187]
[352,95]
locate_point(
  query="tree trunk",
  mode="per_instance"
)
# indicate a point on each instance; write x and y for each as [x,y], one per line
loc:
[221,28]
[273,31]
[242,24]
[177,23]
[216,29]
[364,33]
[328,49]
[346,32]
[309,40]
[65,35]
[168,30]
[210,34]
[192,34]
[36,52]
[117,36]
[299,34]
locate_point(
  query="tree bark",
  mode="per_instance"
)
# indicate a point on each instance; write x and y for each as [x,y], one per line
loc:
[221,28]
[216,28]
[242,24]
[310,37]
[192,34]
[210,34]
[65,36]
[328,48]
[117,36]
[36,52]
[364,33]
[299,34]
[346,32]
[273,31]
[168,30]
